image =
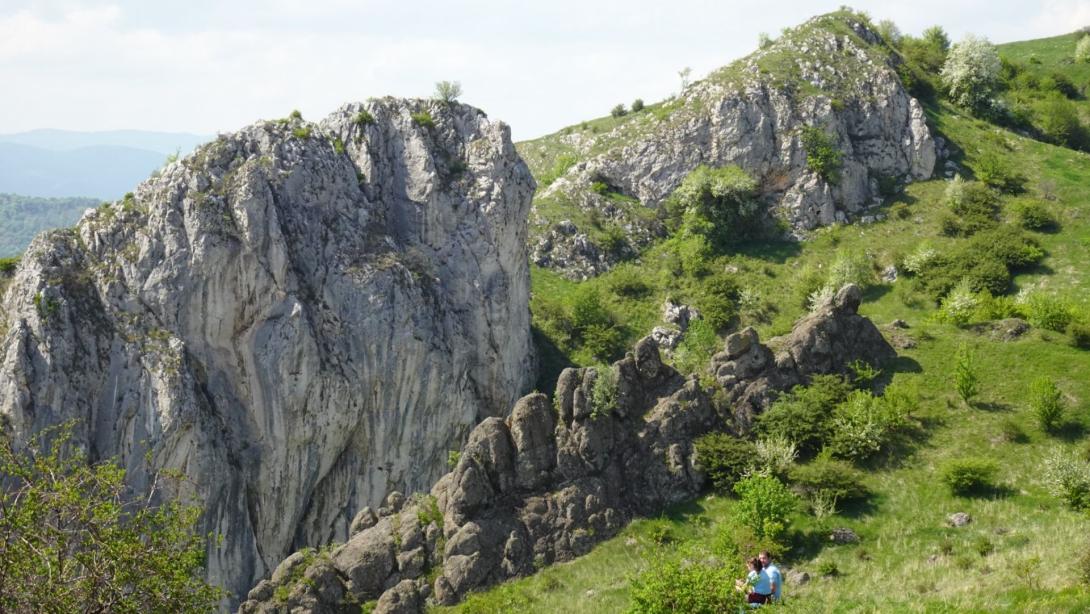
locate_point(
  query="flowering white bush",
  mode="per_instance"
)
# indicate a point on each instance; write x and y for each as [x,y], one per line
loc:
[918,260]
[971,72]
[1068,477]
[1082,49]
[959,305]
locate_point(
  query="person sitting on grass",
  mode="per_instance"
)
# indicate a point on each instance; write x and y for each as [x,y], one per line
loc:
[774,575]
[757,582]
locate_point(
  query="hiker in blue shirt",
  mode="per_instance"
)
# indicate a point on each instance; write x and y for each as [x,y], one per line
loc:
[774,576]
[758,579]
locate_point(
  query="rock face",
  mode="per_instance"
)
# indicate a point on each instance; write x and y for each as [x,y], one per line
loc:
[300,317]
[552,480]
[832,73]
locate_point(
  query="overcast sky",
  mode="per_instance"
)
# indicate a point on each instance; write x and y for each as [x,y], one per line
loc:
[215,65]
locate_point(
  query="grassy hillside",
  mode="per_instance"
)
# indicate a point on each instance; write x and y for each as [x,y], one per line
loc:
[1025,549]
[23,217]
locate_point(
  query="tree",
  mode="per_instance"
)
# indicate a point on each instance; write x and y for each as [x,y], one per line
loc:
[936,37]
[971,72]
[684,73]
[74,539]
[618,111]
[890,32]
[637,105]
[448,91]
[966,378]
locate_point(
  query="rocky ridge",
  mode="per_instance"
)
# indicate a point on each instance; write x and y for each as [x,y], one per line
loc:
[551,480]
[833,72]
[299,317]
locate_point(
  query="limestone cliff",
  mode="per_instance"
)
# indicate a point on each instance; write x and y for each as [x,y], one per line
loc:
[833,74]
[300,317]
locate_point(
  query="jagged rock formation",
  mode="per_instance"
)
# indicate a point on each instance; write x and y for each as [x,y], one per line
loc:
[300,317]
[550,481]
[833,72]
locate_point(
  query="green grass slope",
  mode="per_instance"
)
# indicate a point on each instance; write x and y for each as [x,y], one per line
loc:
[1025,549]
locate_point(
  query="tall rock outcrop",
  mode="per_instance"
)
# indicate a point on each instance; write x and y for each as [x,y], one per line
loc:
[554,479]
[300,317]
[832,74]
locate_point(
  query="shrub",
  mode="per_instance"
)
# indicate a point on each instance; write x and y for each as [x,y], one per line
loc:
[1047,404]
[822,154]
[983,546]
[603,396]
[672,584]
[1067,478]
[560,166]
[833,479]
[970,73]
[1048,312]
[637,105]
[1035,215]
[717,304]
[1058,121]
[1079,334]
[919,259]
[447,91]
[423,119]
[828,569]
[603,342]
[717,203]
[966,377]
[997,173]
[364,118]
[775,456]
[959,306]
[864,424]
[725,459]
[696,348]
[975,206]
[764,41]
[1007,244]
[967,476]
[628,282]
[302,132]
[618,111]
[765,505]
[803,415]
[1082,49]
[75,540]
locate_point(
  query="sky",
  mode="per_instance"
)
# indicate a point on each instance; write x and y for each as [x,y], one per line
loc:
[208,66]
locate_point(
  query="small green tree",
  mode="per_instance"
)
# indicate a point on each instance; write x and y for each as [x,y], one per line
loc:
[637,105]
[971,72]
[822,154]
[618,111]
[448,91]
[1047,403]
[966,377]
[765,505]
[72,538]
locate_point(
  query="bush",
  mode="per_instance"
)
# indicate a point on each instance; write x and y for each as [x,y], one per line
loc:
[603,395]
[719,204]
[966,377]
[765,505]
[1048,312]
[74,539]
[920,258]
[967,476]
[1082,49]
[959,306]
[864,424]
[1079,334]
[673,584]
[1068,479]
[1047,404]
[1058,121]
[1035,215]
[637,105]
[618,111]
[725,459]
[560,166]
[775,456]
[832,479]
[975,206]
[970,73]
[997,173]
[803,415]
[364,118]
[423,119]
[629,283]
[822,154]
[696,348]
[828,569]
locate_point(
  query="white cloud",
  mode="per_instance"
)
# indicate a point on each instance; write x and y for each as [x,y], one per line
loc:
[213,65]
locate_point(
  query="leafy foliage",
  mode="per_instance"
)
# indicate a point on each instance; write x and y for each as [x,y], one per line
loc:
[968,476]
[673,584]
[448,91]
[822,154]
[1047,404]
[1068,479]
[72,539]
[765,505]
[971,72]
[725,459]
[966,377]
[803,415]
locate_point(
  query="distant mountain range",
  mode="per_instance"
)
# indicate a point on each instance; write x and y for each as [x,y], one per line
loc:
[100,165]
